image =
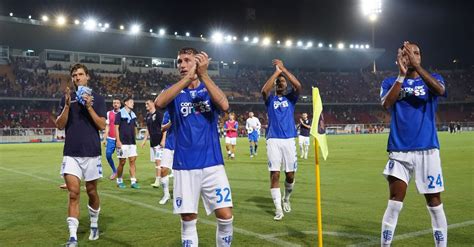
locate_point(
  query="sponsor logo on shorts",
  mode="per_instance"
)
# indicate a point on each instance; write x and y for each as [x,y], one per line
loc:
[179,202]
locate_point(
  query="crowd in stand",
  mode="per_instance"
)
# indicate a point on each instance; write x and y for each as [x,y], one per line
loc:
[32,79]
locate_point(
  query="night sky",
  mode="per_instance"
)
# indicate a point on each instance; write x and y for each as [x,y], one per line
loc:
[443,29]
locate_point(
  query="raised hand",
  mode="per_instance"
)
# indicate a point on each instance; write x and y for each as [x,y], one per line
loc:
[88,99]
[202,60]
[279,64]
[408,50]
[67,96]
[402,63]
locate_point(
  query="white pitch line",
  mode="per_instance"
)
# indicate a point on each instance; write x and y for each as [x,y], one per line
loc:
[415,234]
[336,234]
[155,208]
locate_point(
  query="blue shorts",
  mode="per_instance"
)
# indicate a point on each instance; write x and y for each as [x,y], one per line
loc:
[110,147]
[253,136]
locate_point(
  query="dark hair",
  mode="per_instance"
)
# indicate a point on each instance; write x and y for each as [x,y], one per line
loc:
[117,98]
[277,80]
[79,66]
[187,50]
[127,99]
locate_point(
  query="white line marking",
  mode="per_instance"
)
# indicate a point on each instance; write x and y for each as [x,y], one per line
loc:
[336,234]
[414,234]
[155,208]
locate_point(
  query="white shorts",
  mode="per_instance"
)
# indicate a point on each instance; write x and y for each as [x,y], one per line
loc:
[87,168]
[127,151]
[282,153]
[210,183]
[425,164]
[303,140]
[167,158]
[231,140]
[156,153]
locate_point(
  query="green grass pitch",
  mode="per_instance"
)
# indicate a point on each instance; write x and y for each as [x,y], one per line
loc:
[354,195]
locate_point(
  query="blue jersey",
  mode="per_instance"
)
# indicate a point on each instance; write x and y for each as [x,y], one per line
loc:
[281,121]
[194,123]
[413,125]
[169,142]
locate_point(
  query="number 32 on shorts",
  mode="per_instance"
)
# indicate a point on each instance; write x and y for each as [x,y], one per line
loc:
[432,184]
[223,195]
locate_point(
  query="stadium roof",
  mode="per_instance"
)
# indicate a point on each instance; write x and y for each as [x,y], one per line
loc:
[34,35]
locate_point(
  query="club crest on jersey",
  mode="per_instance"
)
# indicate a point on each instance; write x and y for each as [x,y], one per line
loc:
[179,202]
[195,107]
[410,81]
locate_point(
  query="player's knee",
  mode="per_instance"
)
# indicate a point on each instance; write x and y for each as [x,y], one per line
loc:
[188,217]
[224,213]
[275,176]
[433,200]
[290,178]
[74,195]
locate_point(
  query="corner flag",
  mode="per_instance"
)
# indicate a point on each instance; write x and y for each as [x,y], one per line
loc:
[318,129]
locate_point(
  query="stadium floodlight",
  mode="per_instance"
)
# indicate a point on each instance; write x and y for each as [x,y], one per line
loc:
[151,30]
[175,33]
[234,38]
[187,34]
[122,27]
[77,22]
[162,31]
[45,18]
[340,46]
[234,62]
[351,46]
[29,17]
[61,20]
[330,45]
[228,38]
[371,7]
[246,39]
[255,40]
[11,14]
[106,25]
[266,41]
[367,46]
[320,45]
[288,43]
[357,46]
[309,44]
[217,37]
[278,42]
[299,43]
[100,24]
[90,24]
[135,29]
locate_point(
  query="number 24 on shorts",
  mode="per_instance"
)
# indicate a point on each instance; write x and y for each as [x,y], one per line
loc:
[432,180]
[223,195]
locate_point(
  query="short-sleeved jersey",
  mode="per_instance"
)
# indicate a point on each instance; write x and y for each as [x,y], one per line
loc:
[111,123]
[126,129]
[170,140]
[253,124]
[281,110]
[303,130]
[82,136]
[413,124]
[231,124]
[153,125]
[194,122]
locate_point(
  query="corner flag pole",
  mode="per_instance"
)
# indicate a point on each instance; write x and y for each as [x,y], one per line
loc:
[318,194]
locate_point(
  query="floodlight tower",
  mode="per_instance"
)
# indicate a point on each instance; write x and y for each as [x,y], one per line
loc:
[371,10]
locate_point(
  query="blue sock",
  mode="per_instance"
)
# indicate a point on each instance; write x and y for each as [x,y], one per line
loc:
[251,150]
